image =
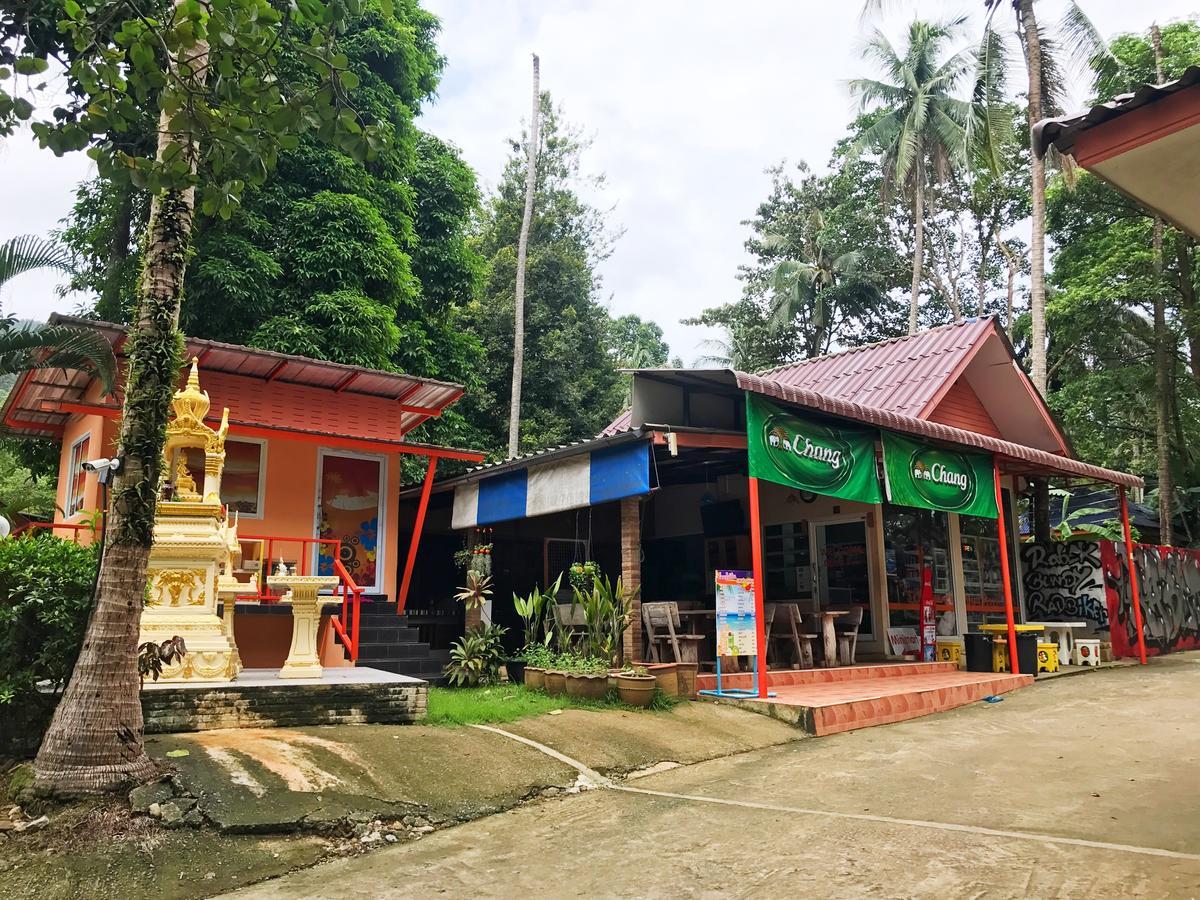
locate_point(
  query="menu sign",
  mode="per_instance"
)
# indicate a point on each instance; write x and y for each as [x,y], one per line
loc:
[736,632]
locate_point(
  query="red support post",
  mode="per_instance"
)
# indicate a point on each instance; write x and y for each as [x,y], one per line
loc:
[756,556]
[1002,531]
[1134,590]
[418,524]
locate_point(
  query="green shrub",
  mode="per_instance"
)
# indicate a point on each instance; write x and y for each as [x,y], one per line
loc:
[476,658]
[45,597]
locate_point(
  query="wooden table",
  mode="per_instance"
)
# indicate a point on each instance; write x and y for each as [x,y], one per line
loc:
[302,591]
[1065,638]
[829,636]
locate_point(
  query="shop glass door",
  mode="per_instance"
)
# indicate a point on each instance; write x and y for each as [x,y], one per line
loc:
[843,570]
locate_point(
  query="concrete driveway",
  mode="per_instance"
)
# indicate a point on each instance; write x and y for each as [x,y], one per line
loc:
[1079,787]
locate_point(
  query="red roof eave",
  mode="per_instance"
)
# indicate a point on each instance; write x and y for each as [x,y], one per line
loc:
[1017,455]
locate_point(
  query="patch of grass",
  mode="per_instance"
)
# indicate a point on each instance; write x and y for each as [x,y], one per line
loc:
[509,702]
[488,705]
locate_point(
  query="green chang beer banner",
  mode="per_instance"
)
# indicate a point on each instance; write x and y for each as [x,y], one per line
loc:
[798,453]
[936,478]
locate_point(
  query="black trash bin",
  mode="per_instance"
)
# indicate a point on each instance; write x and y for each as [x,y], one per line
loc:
[1027,642]
[978,648]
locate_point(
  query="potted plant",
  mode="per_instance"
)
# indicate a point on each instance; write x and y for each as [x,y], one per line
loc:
[537,660]
[635,686]
[587,678]
[556,674]
[665,673]
[539,632]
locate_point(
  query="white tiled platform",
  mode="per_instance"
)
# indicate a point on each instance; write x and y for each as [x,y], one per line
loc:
[252,678]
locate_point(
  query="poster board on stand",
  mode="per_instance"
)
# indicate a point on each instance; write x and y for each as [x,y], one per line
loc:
[737,631]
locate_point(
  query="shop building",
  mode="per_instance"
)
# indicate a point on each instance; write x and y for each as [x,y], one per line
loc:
[718,469]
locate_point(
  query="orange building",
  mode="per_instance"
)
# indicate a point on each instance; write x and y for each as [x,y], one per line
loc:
[312,469]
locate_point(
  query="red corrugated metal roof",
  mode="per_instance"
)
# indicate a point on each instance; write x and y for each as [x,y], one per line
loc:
[1016,457]
[409,400]
[900,375]
[623,422]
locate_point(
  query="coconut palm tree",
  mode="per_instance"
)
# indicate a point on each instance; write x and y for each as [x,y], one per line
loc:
[1046,52]
[923,129]
[31,345]
[800,285]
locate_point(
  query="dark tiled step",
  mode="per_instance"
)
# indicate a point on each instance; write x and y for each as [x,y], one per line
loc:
[393,651]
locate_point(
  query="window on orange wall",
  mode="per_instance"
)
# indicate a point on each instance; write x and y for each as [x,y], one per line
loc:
[76,477]
[241,479]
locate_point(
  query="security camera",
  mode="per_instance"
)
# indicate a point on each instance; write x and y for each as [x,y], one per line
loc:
[103,467]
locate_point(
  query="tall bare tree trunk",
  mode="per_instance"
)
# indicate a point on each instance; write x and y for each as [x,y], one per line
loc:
[514,413]
[1163,357]
[94,742]
[918,248]
[1037,243]
[1010,260]
[1187,300]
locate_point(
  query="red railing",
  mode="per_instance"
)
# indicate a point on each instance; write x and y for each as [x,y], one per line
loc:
[346,624]
[29,528]
[267,560]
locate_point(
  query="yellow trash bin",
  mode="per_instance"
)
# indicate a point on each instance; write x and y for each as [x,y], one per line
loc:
[1047,657]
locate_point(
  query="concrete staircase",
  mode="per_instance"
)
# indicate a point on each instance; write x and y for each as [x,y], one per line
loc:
[386,641]
[845,698]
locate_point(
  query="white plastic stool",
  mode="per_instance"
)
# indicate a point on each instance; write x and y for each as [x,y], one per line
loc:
[1087,652]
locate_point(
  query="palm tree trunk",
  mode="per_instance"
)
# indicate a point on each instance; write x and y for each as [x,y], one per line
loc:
[514,413]
[94,742]
[1037,243]
[1163,358]
[918,248]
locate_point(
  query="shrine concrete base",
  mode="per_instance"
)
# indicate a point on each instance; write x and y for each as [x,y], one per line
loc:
[260,699]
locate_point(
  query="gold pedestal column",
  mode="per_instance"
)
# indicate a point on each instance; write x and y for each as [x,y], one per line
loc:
[304,660]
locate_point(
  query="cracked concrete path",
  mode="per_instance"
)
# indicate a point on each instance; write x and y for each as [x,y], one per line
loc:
[1110,758]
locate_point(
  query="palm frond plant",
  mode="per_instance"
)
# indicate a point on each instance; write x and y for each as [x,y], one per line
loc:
[33,345]
[476,657]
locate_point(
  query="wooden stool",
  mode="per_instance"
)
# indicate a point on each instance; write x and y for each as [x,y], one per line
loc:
[1048,657]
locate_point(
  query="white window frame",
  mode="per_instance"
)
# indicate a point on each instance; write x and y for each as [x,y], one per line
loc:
[75,462]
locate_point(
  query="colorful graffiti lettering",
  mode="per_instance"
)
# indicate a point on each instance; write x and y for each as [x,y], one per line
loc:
[1064,581]
[1169,589]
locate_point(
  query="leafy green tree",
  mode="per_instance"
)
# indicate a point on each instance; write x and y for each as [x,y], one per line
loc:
[925,130]
[210,74]
[571,389]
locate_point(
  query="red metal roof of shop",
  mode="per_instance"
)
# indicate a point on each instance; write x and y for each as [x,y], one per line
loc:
[1015,458]
[902,375]
[371,404]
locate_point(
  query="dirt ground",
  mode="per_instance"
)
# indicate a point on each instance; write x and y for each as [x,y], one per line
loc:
[990,800]
[280,799]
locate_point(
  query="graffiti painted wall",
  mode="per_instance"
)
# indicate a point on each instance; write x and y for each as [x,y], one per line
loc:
[1169,587]
[1064,582]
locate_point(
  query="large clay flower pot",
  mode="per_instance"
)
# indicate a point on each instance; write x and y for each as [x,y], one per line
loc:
[556,683]
[588,687]
[535,678]
[687,679]
[667,675]
[636,690]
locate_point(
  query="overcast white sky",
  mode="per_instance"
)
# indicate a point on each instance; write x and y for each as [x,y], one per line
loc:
[688,103]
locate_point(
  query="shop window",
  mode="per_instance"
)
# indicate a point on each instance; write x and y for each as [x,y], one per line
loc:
[76,477]
[242,479]
[913,540]
[983,588]
[787,562]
